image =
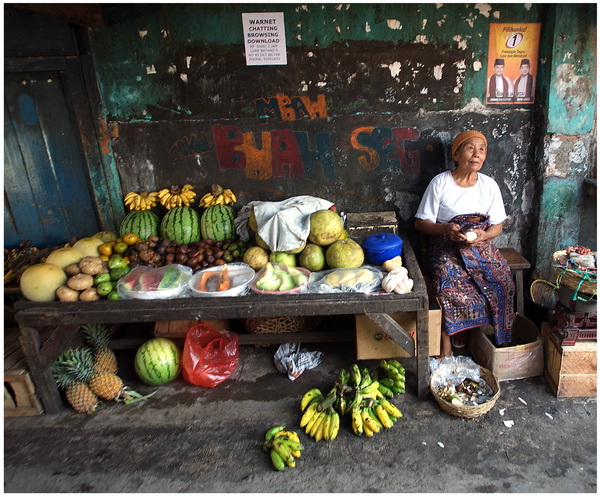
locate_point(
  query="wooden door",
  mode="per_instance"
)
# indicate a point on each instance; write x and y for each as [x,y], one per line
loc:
[47,195]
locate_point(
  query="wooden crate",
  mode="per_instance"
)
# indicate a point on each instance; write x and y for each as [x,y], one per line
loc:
[360,225]
[19,392]
[570,370]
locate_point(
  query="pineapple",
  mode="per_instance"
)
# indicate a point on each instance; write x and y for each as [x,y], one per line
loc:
[96,337]
[80,363]
[79,396]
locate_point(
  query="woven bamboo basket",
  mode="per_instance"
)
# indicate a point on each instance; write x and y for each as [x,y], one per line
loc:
[578,279]
[290,324]
[575,280]
[471,411]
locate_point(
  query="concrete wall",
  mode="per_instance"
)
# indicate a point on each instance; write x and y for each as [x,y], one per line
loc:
[363,113]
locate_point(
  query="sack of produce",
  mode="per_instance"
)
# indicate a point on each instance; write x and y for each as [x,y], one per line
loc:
[209,356]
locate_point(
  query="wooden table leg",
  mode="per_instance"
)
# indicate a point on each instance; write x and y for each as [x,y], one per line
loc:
[40,374]
[519,289]
[422,353]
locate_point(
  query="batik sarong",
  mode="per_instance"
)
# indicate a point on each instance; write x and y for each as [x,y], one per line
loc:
[474,285]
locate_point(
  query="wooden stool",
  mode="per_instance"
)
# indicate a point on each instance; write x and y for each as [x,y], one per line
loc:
[517,264]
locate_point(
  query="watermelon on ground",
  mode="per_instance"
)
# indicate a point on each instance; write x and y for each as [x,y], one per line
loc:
[158,361]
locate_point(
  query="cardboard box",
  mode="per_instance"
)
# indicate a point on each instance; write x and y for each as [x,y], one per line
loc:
[373,343]
[510,363]
[571,371]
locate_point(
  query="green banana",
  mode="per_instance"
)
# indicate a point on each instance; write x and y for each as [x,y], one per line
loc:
[387,381]
[271,431]
[292,444]
[344,377]
[342,405]
[334,427]
[284,451]
[397,365]
[370,389]
[277,460]
[365,379]
[387,391]
[308,396]
[356,375]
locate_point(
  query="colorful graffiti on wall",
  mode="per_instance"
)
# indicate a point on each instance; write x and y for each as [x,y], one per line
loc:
[378,149]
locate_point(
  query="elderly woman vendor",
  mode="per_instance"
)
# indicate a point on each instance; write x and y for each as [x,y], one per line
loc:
[461,212]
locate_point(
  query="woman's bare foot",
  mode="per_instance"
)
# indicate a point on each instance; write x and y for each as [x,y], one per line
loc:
[446,348]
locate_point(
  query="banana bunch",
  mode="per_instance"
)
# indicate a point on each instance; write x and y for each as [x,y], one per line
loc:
[359,393]
[218,196]
[176,196]
[391,378]
[371,416]
[319,419]
[141,201]
[283,447]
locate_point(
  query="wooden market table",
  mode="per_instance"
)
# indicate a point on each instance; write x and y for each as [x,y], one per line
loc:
[67,317]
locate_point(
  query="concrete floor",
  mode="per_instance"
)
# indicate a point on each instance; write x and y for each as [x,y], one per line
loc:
[190,439]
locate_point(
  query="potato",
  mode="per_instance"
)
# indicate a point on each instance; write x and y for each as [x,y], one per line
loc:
[91,265]
[89,295]
[80,281]
[72,269]
[66,294]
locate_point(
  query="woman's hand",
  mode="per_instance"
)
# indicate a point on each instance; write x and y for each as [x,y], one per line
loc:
[454,233]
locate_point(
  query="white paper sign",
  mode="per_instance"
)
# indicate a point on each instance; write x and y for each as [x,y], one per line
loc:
[264,38]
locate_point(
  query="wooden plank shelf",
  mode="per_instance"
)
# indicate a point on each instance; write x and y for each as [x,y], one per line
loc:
[68,316]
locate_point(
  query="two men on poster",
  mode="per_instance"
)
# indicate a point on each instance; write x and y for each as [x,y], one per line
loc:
[502,89]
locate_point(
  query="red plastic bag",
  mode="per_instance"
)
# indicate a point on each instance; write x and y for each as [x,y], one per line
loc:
[209,356]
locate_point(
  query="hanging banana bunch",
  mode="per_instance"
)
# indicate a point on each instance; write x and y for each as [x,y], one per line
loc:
[176,196]
[141,201]
[218,196]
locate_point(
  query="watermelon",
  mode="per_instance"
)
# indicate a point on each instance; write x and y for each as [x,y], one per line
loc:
[217,223]
[181,224]
[158,361]
[142,223]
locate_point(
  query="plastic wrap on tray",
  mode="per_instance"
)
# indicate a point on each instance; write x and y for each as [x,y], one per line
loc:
[149,283]
[365,279]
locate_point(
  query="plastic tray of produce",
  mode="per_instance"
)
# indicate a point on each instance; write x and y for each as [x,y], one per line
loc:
[149,283]
[280,278]
[227,280]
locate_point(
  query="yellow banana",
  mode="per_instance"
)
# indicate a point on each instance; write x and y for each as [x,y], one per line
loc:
[391,409]
[129,196]
[187,187]
[137,203]
[318,425]
[311,424]
[308,396]
[220,200]
[383,416]
[308,414]
[324,429]
[368,432]
[368,421]
[163,193]
[357,422]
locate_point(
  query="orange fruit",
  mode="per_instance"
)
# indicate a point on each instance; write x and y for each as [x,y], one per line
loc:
[106,248]
[130,238]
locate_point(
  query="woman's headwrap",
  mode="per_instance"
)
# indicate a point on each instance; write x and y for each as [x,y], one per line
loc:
[464,136]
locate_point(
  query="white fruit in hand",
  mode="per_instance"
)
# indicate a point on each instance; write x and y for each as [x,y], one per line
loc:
[471,236]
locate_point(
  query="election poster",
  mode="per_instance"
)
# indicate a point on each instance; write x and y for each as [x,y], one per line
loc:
[264,38]
[512,63]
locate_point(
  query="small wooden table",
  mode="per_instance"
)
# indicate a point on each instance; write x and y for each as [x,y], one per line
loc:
[67,317]
[517,264]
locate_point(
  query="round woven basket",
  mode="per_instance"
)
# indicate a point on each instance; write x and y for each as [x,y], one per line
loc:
[471,411]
